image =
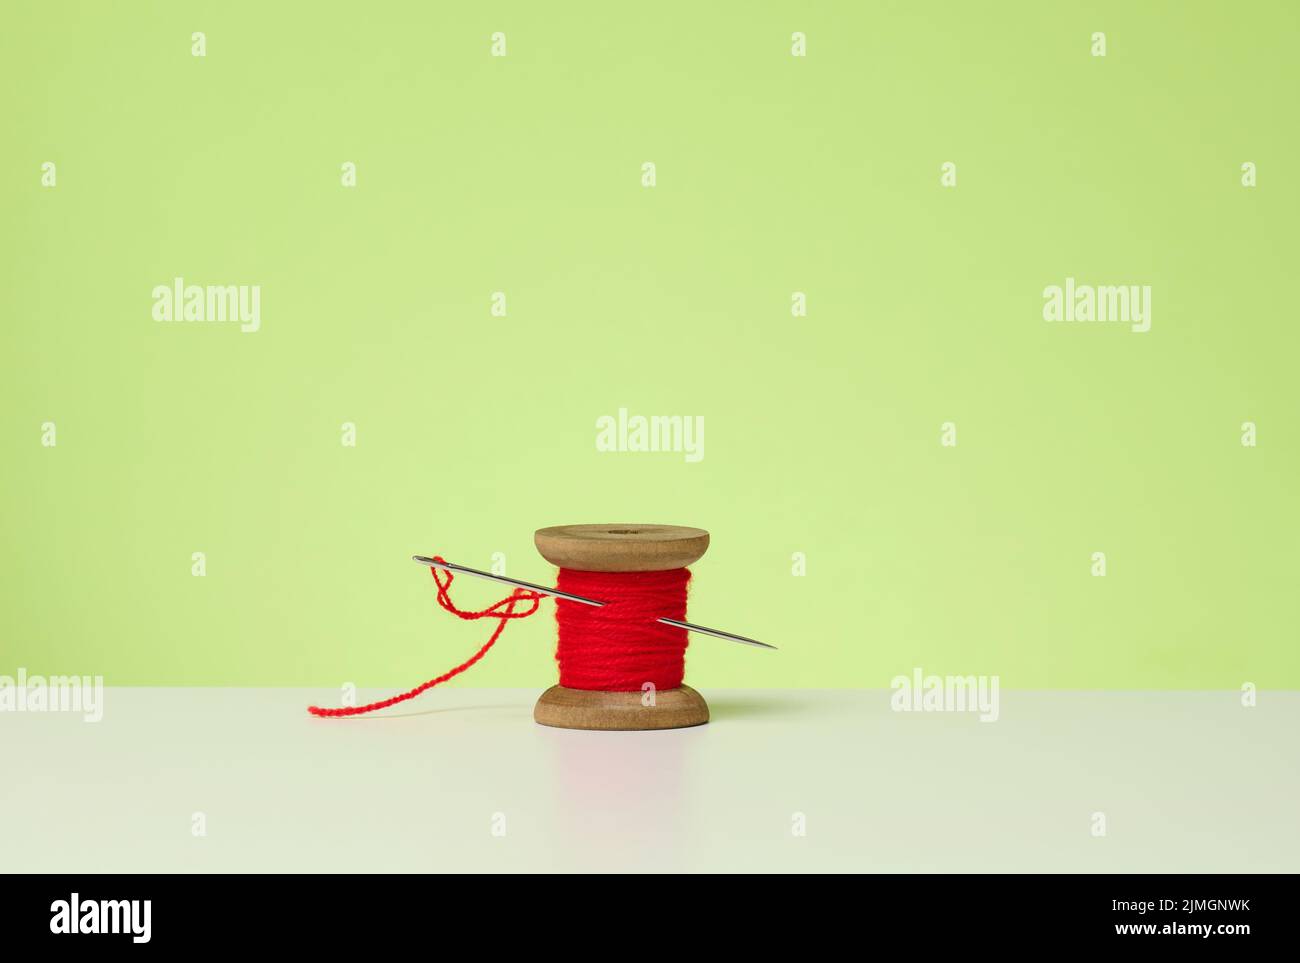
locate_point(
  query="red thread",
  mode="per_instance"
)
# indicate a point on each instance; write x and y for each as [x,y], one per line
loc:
[618,647]
[503,610]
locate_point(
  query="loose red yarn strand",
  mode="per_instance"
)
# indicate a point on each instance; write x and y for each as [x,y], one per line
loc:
[503,610]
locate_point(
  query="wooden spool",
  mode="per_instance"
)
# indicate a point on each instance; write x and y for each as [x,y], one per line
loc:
[621,548]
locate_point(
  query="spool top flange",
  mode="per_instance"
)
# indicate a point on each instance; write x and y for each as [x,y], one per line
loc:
[621,547]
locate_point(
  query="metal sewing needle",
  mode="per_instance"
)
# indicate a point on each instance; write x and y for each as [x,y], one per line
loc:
[556,593]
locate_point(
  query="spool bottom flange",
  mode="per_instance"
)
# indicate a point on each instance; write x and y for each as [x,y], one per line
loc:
[564,708]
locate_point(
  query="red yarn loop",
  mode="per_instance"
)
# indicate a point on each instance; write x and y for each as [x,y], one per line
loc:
[617,647]
[504,611]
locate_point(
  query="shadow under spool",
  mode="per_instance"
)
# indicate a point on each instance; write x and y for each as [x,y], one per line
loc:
[621,548]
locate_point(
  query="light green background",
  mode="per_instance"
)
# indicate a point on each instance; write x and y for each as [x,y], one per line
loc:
[775,174]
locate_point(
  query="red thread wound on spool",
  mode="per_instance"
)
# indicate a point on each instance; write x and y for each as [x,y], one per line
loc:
[619,647]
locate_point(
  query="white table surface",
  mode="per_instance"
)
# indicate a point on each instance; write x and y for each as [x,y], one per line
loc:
[1188,781]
